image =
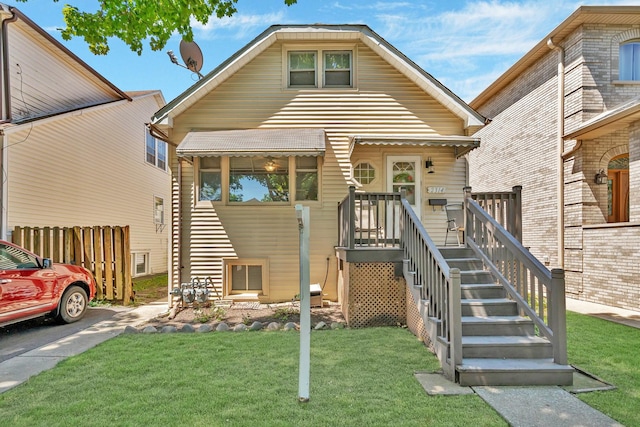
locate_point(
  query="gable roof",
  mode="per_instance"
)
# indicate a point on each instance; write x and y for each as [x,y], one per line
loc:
[319,32]
[614,15]
[13,19]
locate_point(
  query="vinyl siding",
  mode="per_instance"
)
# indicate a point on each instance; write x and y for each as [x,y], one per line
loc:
[44,80]
[90,169]
[383,101]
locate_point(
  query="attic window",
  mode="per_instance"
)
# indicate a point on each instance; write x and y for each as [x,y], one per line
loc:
[333,67]
[337,68]
[302,69]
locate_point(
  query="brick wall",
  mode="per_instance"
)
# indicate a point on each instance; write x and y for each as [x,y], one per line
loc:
[607,279]
[519,148]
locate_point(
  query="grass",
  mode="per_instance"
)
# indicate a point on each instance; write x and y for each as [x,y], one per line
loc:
[609,351]
[359,377]
[150,288]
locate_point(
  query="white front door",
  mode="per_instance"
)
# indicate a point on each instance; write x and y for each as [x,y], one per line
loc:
[405,172]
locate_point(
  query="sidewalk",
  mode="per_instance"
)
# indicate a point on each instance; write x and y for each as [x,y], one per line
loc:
[613,314]
[18,369]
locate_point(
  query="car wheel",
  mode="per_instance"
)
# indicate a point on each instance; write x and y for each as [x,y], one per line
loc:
[73,305]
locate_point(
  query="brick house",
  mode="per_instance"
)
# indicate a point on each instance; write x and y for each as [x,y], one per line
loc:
[565,124]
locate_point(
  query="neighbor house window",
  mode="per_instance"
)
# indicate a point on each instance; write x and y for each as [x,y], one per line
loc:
[158,210]
[337,68]
[210,179]
[246,276]
[156,151]
[302,69]
[364,173]
[140,263]
[259,179]
[630,61]
[306,178]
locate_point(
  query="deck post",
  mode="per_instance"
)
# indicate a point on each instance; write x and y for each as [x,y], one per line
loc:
[302,214]
[516,213]
[465,207]
[558,316]
[352,217]
[455,322]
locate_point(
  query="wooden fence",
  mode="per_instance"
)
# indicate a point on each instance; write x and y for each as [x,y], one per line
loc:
[105,251]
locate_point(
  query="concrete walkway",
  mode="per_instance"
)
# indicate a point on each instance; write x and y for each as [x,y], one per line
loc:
[539,406]
[18,369]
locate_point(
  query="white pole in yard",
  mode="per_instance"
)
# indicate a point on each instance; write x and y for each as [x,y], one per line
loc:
[302,214]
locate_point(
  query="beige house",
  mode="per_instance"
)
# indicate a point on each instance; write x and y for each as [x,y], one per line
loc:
[75,149]
[297,116]
[565,125]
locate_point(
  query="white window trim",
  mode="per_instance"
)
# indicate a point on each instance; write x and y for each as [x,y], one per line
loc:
[224,182]
[156,151]
[155,220]
[134,269]
[230,262]
[320,50]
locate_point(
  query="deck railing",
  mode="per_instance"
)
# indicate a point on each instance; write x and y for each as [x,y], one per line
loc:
[435,288]
[369,220]
[539,293]
[386,220]
[505,207]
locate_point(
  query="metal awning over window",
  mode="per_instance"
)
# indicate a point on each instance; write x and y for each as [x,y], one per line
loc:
[254,142]
[461,144]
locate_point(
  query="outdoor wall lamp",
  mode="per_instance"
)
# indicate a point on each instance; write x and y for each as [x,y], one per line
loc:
[601,177]
[429,165]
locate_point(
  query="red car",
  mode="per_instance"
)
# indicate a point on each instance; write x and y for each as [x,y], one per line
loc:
[31,286]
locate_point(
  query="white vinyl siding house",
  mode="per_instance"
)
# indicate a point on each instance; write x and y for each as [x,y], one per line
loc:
[252,91]
[75,146]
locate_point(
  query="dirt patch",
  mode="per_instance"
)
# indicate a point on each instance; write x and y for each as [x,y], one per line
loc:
[247,313]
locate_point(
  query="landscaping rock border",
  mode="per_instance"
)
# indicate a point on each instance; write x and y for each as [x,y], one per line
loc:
[224,327]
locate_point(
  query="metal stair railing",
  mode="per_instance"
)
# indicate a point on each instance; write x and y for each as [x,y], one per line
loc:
[538,292]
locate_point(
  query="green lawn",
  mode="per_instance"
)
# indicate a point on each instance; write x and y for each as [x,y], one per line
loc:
[611,352]
[360,377]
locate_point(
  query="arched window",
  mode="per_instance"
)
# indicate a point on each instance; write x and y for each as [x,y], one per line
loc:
[629,68]
[618,189]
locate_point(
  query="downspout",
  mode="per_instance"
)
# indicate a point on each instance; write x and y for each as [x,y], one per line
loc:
[560,150]
[5,103]
[5,117]
[178,225]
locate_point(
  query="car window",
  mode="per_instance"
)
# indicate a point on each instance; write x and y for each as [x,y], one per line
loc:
[13,258]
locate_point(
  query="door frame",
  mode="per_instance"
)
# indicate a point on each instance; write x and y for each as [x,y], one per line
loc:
[390,159]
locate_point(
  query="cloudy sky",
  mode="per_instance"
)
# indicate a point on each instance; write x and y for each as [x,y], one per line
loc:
[464,44]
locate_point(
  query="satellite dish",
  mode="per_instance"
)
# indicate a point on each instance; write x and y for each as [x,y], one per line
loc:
[191,55]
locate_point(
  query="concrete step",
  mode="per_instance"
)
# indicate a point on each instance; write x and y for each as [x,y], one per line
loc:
[489,307]
[496,325]
[482,291]
[476,276]
[506,347]
[512,372]
[465,264]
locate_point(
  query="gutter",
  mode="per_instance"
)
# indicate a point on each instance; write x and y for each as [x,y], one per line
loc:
[560,150]
[5,102]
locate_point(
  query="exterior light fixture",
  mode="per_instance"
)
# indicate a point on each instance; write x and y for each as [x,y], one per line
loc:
[270,166]
[601,177]
[429,165]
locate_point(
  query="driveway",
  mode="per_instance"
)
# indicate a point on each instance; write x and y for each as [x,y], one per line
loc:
[22,337]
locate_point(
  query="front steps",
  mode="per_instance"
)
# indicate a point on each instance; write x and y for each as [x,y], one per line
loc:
[499,347]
